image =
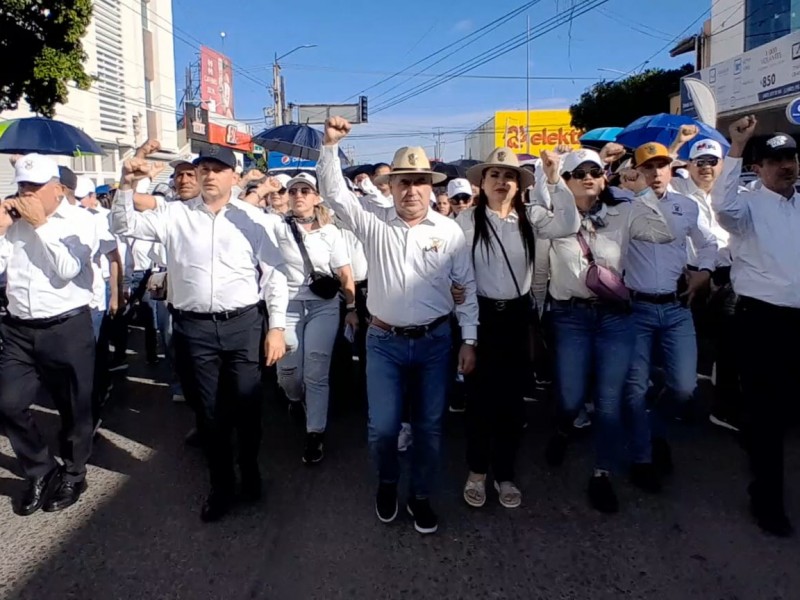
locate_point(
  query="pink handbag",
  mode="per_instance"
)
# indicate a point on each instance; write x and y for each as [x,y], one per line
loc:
[606,284]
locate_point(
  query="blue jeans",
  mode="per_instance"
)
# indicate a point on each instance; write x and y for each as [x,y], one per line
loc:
[419,370]
[670,329]
[311,328]
[164,326]
[593,342]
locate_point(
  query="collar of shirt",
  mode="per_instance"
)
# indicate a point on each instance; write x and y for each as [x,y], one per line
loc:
[512,216]
[778,196]
[393,218]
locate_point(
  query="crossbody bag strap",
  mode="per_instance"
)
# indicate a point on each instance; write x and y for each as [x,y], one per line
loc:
[587,252]
[505,256]
[298,237]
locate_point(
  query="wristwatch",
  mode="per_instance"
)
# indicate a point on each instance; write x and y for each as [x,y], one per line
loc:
[473,343]
[350,307]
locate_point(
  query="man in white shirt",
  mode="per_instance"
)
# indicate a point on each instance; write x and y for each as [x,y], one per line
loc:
[46,253]
[765,231]
[653,273]
[414,255]
[222,263]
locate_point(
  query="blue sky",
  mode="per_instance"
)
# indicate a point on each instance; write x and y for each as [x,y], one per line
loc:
[360,43]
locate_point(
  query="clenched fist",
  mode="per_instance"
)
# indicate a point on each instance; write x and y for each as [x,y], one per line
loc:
[741,131]
[612,152]
[551,162]
[687,133]
[132,170]
[336,129]
[148,147]
[631,179]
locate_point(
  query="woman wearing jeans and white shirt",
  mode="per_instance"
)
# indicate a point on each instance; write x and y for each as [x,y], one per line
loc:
[311,322]
[592,333]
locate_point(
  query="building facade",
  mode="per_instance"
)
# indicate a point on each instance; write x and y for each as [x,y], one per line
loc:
[129,45]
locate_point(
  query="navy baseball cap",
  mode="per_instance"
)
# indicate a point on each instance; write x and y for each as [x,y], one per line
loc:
[220,154]
[776,145]
[68,178]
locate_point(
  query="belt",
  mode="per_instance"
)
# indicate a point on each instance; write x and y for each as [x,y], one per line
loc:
[655,298]
[599,303]
[519,303]
[217,316]
[748,301]
[47,321]
[413,331]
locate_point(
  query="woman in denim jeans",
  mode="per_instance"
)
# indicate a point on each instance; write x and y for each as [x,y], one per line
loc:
[594,338]
[311,322]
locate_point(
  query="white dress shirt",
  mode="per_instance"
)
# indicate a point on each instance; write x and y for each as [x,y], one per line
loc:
[765,232]
[358,260]
[49,268]
[653,268]
[213,259]
[640,219]
[326,251]
[492,276]
[689,188]
[411,268]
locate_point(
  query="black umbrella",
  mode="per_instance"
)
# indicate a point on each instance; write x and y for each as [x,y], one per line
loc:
[456,169]
[300,141]
[45,136]
[353,172]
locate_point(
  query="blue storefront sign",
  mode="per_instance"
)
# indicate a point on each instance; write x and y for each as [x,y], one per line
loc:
[281,161]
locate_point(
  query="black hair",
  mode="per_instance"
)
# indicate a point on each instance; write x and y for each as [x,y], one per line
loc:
[607,197]
[379,166]
[483,235]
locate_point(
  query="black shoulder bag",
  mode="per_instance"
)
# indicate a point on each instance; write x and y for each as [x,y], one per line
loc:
[321,284]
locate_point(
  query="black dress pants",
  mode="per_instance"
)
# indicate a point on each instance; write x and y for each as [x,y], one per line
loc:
[218,366]
[770,355]
[495,406]
[60,358]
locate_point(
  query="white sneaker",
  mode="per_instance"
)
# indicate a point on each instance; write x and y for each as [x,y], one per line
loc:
[178,398]
[405,439]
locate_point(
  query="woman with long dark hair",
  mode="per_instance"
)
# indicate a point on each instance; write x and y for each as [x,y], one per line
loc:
[501,232]
[589,308]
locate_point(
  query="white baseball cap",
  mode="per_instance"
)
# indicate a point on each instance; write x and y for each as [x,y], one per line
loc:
[576,158]
[84,188]
[35,168]
[459,186]
[284,179]
[705,148]
[303,178]
[182,160]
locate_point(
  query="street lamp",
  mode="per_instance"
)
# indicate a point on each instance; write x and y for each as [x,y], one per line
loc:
[278,92]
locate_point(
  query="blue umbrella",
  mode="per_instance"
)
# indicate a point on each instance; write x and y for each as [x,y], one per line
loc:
[300,141]
[45,136]
[664,129]
[601,134]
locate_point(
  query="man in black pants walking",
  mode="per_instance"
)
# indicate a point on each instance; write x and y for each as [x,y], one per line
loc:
[222,264]
[49,342]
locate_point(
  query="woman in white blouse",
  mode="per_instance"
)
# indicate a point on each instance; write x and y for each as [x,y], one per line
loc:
[312,321]
[593,331]
[501,233]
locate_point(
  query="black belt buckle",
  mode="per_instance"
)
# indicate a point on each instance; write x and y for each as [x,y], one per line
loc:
[413,333]
[500,305]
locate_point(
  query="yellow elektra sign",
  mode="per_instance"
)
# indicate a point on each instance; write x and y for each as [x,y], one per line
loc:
[548,129]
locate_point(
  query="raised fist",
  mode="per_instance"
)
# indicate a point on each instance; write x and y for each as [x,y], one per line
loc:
[148,147]
[612,152]
[687,133]
[631,179]
[336,129]
[551,162]
[133,170]
[742,130]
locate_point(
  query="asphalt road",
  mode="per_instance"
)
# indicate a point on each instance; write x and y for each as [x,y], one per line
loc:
[137,534]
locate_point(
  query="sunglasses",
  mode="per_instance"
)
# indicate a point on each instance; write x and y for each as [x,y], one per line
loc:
[301,191]
[595,172]
[461,199]
[706,162]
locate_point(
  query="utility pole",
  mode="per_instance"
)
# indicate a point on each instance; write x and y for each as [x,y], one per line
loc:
[528,85]
[277,92]
[438,149]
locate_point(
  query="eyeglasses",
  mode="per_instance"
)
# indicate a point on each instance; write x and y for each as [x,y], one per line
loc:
[461,199]
[595,172]
[301,191]
[706,162]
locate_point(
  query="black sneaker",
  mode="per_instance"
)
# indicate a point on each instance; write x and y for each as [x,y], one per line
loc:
[646,477]
[662,456]
[425,520]
[386,502]
[297,412]
[556,450]
[313,452]
[601,494]
[770,516]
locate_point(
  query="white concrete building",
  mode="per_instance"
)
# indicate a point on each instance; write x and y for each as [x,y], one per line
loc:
[129,44]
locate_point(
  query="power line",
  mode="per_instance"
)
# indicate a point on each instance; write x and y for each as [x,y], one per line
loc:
[494,53]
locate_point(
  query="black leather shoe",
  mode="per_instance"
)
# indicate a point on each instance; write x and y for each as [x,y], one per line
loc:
[216,506]
[646,477]
[251,485]
[38,492]
[67,494]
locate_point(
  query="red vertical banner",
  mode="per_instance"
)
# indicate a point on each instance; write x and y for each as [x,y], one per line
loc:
[216,82]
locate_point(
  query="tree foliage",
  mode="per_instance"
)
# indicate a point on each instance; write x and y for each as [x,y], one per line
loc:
[617,103]
[40,42]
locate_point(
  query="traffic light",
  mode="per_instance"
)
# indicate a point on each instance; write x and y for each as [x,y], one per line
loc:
[362,109]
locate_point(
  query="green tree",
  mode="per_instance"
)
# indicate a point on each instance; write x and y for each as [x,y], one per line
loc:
[40,42]
[617,103]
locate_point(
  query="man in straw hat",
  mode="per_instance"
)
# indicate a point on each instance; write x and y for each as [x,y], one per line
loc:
[414,255]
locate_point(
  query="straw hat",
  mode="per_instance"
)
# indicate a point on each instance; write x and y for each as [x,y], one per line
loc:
[411,160]
[505,158]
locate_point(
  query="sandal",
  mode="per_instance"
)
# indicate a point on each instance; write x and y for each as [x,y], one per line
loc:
[509,494]
[475,492]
